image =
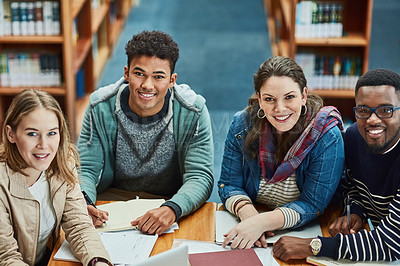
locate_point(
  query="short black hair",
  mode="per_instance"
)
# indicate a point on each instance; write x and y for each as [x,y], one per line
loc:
[153,43]
[379,77]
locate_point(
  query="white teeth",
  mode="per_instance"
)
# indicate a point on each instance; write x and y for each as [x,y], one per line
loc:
[281,118]
[41,155]
[146,95]
[377,131]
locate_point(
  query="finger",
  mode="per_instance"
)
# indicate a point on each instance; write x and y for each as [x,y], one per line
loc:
[258,244]
[263,241]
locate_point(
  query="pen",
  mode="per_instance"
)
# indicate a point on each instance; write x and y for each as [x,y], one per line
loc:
[90,202]
[348,210]
[371,227]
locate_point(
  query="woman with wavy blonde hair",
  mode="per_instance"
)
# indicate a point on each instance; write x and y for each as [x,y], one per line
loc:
[39,190]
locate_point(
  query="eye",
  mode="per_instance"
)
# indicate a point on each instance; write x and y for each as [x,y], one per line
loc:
[159,77]
[138,74]
[289,97]
[32,134]
[363,110]
[52,133]
[385,110]
[268,99]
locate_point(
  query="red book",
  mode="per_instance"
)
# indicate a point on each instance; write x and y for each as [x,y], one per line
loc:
[239,257]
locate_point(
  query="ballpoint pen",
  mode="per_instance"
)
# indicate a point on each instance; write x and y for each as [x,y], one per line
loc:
[371,227]
[90,202]
[348,210]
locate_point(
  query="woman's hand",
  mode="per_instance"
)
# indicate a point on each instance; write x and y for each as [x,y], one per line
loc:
[247,232]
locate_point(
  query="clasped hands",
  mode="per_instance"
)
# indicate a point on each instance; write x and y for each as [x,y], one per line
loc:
[154,221]
[287,247]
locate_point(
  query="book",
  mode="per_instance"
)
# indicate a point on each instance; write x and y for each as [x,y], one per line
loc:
[23,17]
[239,257]
[47,18]
[31,18]
[39,18]
[7,17]
[324,261]
[1,18]
[122,213]
[56,18]
[224,221]
[15,18]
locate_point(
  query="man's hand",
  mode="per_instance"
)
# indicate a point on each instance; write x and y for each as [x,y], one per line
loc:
[155,221]
[342,226]
[98,216]
[289,247]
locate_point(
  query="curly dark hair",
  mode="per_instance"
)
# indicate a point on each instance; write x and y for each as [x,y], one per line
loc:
[153,43]
[379,77]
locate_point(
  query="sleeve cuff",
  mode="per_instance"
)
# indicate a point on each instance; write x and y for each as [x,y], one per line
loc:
[329,247]
[175,207]
[291,217]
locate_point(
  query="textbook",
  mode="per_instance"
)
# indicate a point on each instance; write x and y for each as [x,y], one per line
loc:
[225,221]
[122,213]
[324,261]
[239,257]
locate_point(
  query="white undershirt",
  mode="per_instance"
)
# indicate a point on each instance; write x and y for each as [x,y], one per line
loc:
[40,190]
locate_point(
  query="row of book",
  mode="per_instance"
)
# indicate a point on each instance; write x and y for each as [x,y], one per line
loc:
[330,72]
[29,70]
[29,18]
[319,19]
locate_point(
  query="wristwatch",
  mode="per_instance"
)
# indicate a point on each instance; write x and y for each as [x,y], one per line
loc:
[316,245]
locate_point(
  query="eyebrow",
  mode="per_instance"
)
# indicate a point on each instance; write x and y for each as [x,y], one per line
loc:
[266,94]
[35,129]
[155,72]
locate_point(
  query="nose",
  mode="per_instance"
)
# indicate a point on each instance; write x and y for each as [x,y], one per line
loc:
[373,119]
[147,83]
[42,143]
[279,106]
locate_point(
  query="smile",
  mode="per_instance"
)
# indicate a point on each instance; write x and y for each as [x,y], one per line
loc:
[147,95]
[282,118]
[41,156]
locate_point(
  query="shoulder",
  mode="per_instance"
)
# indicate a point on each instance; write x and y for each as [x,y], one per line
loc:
[3,172]
[106,93]
[188,98]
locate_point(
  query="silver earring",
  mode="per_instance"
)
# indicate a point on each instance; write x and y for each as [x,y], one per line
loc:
[305,110]
[258,113]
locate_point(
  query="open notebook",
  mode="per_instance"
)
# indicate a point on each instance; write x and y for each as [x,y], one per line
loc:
[121,213]
[176,256]
[323,261]
[225,221]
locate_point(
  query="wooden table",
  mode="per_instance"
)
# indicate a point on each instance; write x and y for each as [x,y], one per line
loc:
[200,225]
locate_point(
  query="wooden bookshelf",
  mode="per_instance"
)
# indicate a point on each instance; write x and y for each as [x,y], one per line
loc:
[92,25]
[357,17]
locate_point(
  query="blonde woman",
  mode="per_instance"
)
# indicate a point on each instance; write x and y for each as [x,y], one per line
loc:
[39,190]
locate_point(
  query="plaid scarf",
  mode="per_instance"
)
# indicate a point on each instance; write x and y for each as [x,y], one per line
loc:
[325,119]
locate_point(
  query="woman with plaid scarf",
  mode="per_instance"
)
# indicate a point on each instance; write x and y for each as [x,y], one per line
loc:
[285,150]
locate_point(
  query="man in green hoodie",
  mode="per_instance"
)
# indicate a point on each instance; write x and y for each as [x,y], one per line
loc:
[147,135]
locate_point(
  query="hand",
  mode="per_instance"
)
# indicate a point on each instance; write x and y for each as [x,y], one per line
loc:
[289,247]
[342,226]
[246,233]
[98,216]
[155,221]
[100,263]
[249,211]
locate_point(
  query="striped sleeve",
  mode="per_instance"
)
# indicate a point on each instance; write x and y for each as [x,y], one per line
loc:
[383,243]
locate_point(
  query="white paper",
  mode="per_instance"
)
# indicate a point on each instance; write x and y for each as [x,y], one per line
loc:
[124,247]
[331,262]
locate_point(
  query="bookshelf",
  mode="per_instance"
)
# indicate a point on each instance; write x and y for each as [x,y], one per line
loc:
[88,30]
[295,30]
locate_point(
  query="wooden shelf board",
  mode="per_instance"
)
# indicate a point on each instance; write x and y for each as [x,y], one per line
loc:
[334,93]
[53,39]
[76,6]
[15,90]
[350,40]
[81,50]
[98,16]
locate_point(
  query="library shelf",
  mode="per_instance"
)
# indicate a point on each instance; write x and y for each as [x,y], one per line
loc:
[89,31]
[354,40]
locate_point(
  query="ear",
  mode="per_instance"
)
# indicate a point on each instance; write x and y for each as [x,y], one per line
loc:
[126,73]
[173,79]
[304,95]
[259,98]
[10,134]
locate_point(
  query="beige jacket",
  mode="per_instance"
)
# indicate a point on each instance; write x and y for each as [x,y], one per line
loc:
[19,220]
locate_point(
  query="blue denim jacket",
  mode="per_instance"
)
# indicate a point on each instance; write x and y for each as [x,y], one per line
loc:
[317,177]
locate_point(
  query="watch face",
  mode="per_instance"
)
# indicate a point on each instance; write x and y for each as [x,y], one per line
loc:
[316,244]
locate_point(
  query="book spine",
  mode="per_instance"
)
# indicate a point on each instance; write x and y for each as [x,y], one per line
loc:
[38,18]
[31,18]
[1,18]
[15,18]
[56,18]
[23,16]
[47,18]
[7,17]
